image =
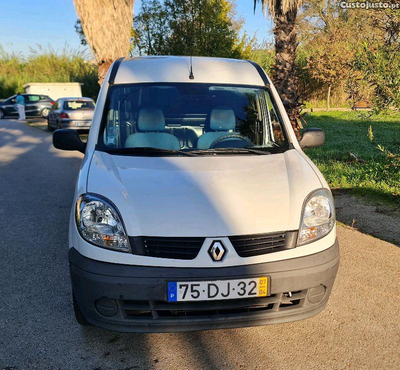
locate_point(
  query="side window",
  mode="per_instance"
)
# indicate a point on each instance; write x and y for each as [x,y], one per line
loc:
[122,115]
[33,98]
[275,121]
[56,105]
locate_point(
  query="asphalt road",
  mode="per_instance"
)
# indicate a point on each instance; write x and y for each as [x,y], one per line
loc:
[360,328]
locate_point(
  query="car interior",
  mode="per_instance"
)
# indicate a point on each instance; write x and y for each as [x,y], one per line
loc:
[188,117]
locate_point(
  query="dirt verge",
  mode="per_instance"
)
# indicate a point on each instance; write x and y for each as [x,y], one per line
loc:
[377,220]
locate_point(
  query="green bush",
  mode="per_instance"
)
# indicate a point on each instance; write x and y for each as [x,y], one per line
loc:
[46,65]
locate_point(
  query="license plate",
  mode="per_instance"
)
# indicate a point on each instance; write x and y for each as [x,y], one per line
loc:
[82,123]
[217,289]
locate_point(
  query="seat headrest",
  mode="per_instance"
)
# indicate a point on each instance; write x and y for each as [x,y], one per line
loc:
[151,119]
[222,119]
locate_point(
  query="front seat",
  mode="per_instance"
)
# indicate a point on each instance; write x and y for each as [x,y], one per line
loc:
[151,122]
[222,119]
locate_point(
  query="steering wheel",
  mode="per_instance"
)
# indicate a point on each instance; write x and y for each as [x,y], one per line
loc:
[234,136]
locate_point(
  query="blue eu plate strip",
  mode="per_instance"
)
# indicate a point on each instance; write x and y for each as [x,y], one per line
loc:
[172,292]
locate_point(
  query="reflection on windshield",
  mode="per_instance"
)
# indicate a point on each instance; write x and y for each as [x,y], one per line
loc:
[185,117]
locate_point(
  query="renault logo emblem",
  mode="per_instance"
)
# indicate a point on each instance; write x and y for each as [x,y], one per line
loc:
[217,250]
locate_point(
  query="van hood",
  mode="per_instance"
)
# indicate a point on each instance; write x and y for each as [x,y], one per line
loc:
[210,196]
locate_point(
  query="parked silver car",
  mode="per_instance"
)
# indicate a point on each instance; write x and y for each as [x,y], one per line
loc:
[75,113]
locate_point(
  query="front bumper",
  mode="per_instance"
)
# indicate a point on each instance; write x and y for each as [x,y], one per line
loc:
[134,298]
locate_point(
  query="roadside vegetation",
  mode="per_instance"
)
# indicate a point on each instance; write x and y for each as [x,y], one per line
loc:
[361,154]
[47,65]
[194,27]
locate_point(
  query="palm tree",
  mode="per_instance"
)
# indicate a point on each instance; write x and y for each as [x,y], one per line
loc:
[284,14]
[107,27]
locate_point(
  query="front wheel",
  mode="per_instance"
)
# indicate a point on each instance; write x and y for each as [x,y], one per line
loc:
[1,114]
[45,112]
[78,313]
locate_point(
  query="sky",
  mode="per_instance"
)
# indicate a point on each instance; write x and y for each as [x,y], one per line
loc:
[24,24]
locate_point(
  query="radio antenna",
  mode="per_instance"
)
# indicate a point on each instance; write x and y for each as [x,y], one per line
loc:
[191,75]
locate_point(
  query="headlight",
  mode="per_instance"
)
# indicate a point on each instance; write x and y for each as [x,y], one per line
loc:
[318,217]
[98,222]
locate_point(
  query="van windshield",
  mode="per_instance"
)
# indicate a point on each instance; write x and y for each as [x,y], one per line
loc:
[185,118]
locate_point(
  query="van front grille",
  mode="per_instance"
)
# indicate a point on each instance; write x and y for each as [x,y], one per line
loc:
[187,248]
[176,248]
[256,245]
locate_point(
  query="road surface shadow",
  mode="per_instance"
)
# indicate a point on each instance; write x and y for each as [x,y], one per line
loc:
[376,220]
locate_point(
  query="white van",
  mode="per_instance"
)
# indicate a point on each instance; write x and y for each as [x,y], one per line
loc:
[195,206]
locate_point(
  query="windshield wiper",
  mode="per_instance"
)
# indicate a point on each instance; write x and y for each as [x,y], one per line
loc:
[231,151]
[148,150]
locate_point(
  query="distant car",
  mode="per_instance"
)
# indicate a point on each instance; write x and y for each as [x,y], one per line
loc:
[76,113]
[35,105]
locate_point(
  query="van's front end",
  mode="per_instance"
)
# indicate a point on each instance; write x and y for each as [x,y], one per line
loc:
[196,207]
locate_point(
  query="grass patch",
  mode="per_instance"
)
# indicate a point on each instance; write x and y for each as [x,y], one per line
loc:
[376,178]
[47,65]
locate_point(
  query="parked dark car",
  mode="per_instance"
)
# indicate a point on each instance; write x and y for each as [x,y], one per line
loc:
[75,113]
[35,105]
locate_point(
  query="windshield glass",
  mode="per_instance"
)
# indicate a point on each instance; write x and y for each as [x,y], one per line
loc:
[78,104]
[190,117]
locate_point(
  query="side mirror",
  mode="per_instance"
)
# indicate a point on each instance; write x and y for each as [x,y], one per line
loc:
[312,138]
[67,139]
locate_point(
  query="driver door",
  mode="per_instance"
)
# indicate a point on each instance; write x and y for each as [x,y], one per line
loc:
[8,107]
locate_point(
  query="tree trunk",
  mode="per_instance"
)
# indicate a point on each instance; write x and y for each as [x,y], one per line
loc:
[285,76]
[328,99]
[107,27]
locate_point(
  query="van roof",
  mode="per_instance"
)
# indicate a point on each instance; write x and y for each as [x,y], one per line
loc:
[177,69]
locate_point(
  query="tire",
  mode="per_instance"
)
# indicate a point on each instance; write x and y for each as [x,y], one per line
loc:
[45,112]
[78,313]
[49,128]
[1,114]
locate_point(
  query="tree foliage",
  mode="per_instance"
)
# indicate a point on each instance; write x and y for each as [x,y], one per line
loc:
[378,60]
[79,31]
[274,7]
[318,47]
[330,60]
[264,55]
[380,67]
[189,27]
[354,49]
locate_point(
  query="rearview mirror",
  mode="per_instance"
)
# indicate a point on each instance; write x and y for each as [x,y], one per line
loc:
[312,138]
[67,139]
